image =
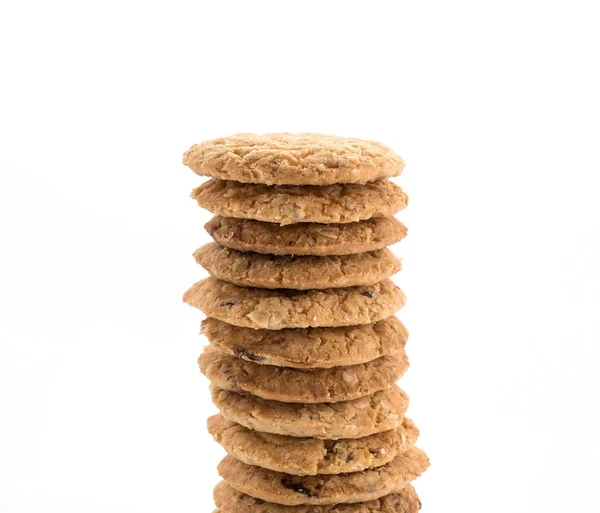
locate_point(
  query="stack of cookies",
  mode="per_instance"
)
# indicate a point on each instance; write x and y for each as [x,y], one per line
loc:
[305,350]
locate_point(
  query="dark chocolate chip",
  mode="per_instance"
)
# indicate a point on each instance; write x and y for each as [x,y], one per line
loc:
[329,446]
[247,355]
[290,483]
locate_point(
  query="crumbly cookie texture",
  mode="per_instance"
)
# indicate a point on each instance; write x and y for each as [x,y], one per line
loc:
[288,204]
[286,308]
[291,490]
[229,500]
[293,159]
[311,456]
[300,385]
[308,348]
[375,413]
[306,238]
[296,272]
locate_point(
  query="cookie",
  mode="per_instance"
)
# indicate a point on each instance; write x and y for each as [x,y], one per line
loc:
[375,413]
[301,385]
[311,456]
[306,238]
[296,272]
[286,308]
[293,159]
[309,348]
[288,204]
[290,490]
[229,500]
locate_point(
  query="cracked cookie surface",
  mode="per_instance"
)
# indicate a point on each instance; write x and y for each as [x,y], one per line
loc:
[289,204]
[306,238]
[296,272]
[311,456]
[309,348]
[293,159]
[286,308]
[229,500]
[291,490]
[301,385]
[375,413]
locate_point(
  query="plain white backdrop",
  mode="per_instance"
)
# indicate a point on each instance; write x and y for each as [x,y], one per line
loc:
[493,105]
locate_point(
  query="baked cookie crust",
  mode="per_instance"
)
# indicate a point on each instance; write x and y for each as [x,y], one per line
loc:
[309,348]
[229,500]
[250,269]
[306,238]
[311,456]
[289,204]
[301,385]
[291,490]
[375,413]
[293,159]
[285,308]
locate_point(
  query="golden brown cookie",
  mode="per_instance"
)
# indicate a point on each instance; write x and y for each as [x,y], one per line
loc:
[301,385]
[306,238]
[291,490]
[375,413]
[285,308]
[311,456]
[296,272]
[288,204]
[293,159]
[308,348]
[229,500]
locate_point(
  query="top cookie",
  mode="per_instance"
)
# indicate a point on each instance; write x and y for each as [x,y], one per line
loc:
[293,159]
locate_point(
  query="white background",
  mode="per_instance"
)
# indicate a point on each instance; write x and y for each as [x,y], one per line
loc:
[495,108]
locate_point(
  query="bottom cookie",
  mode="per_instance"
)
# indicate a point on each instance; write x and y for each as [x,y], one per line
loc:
[289,490]
[229,500]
